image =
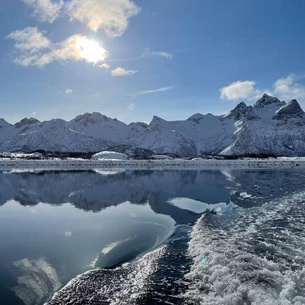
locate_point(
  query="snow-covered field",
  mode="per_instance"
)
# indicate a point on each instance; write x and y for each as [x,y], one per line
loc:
[151,164]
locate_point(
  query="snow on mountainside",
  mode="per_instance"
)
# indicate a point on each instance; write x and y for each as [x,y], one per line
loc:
[270,126]
[276,128]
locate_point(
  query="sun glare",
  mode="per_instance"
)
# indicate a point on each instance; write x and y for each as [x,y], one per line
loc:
[90,50]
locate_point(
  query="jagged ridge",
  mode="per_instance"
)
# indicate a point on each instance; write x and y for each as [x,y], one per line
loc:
[270,126]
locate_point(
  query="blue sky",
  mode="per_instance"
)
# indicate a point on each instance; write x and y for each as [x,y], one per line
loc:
[135,59]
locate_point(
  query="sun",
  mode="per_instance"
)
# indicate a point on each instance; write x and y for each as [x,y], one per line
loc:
[90,50]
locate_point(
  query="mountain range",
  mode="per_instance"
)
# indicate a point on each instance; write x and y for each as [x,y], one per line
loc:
[270,126]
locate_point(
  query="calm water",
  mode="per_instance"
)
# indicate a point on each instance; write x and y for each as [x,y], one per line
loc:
[139,237]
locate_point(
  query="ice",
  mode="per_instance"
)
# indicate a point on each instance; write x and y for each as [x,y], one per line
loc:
[119,163]
[109,172]
[190,204]
[109,155]
[201,207]
[245,195]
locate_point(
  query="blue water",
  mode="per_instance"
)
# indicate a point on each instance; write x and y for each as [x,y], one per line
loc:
[140,237]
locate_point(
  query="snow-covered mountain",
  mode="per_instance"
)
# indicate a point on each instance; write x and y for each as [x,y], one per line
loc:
[270,126]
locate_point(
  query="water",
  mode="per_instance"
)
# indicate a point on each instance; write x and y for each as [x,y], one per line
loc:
[152,237]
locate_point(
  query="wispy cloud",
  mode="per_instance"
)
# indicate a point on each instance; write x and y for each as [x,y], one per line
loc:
[30,39]
[131,107]
[162,89]
[122,72]
[147,52]
[105,66]
[37,50]
[289,87]
[285,88]
[68,91]
[45,10]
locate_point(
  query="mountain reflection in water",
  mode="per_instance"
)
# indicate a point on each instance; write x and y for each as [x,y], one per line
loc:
[74,221]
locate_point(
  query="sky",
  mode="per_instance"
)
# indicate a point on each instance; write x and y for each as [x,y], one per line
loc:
[133,59]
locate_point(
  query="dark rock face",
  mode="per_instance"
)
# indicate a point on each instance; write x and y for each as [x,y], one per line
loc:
[242,111]
[26,121]
[267,100]
[239,111]
[291,110]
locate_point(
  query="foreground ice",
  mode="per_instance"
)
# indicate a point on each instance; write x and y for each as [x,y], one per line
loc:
[6,164]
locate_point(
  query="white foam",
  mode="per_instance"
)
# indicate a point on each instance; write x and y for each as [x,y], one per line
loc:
[255,256]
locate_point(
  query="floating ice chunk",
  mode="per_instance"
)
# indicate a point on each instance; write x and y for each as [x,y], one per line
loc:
[245,195]
[201,207]
[109,155]
[222,207]
[190,204]
[109,172]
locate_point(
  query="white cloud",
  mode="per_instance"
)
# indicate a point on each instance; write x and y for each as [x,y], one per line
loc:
[30,39]
[288,88]
[238,90]
[162,89]
[131,107]
[105,66]
[68,234]
[148,52]
[122,72]
[37,50]
[68,91]
[45,10]
[111,16]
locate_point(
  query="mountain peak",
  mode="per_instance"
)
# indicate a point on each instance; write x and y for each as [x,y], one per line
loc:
[93,118]
[240,132]
[26,121]
[4,123]
[138,124]
[267,100]
[196,117]
[157,121]
[240,110]
[292,109]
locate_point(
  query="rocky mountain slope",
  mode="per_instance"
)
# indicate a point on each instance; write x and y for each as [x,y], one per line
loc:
[270,126]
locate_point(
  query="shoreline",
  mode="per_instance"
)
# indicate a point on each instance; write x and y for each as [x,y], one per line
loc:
[151,164]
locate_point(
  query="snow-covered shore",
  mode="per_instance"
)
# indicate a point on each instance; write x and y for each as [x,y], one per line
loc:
[80,164]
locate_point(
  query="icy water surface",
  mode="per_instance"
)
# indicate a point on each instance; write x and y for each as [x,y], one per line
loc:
[152,237]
